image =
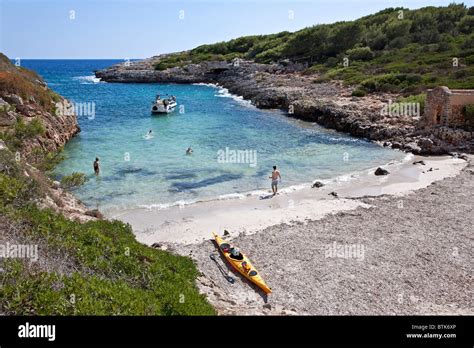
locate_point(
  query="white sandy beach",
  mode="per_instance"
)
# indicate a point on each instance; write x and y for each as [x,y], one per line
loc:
[194,223]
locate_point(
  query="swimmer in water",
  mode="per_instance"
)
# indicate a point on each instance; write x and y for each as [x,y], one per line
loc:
[189,151]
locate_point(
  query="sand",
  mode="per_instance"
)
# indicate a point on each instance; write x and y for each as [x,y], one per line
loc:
[394,245]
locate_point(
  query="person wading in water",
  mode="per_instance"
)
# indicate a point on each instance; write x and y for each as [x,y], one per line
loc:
[96,166]
[275,176]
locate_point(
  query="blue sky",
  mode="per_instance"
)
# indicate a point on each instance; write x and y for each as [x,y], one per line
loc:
[141,28]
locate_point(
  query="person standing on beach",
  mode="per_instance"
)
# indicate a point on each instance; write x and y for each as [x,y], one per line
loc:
[275,176]
[96,166]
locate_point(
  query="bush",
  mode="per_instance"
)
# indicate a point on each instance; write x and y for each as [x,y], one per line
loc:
[466,25]
[469,111]
[360,53]
[468,42]
[418,99]
[359,92]
[22,131]
[29,130]
[391,82]
[161,66]
[73,180]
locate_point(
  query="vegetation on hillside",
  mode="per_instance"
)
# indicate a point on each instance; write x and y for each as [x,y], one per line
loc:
[394,50]
[26,84]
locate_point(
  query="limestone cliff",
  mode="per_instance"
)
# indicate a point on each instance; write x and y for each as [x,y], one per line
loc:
[33,129]
[31,114]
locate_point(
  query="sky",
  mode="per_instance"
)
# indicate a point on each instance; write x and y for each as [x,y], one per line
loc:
[127,29]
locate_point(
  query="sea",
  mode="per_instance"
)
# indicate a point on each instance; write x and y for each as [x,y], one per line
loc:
[235,145]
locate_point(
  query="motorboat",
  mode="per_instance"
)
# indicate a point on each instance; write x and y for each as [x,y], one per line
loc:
[164,106]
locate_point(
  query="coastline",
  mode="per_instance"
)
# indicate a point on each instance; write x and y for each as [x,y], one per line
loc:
[252,212]
[329,104]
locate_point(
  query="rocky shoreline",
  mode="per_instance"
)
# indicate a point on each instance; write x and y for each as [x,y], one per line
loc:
[330,104]
[26,100]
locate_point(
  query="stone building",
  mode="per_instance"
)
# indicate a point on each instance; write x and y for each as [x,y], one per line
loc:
[446,107]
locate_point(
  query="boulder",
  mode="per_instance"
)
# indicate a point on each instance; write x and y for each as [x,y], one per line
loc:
[3,104]
[381,171]
[396,145]
[317,184]
[425,144]
[419,162]
[459,155]
[7,118]
[412,147]
[13,99]
[94,213]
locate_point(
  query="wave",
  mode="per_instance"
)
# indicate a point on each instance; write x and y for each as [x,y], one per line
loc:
[224,93]
[344,178]
[206,84]
[88,80]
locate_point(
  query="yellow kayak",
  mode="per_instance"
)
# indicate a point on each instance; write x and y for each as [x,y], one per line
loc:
[242,264]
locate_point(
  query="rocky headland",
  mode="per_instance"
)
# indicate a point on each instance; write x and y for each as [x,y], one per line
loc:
[35,124]
[285,86]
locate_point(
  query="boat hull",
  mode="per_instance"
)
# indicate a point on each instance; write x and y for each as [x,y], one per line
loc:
[249,272]
[159,108]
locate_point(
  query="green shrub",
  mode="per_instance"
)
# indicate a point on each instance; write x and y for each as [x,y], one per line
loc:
[466,25]
[360,53]
[359,92]
[391,82]
[469,114]
[28,130]
[73,180]
[21,131]
[418,99]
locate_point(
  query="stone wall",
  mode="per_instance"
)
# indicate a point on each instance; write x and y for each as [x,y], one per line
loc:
[445,107]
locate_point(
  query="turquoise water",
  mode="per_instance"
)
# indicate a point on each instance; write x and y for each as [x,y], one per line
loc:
[140,172]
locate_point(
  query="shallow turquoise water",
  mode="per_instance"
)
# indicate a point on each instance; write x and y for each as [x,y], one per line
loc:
[139,172]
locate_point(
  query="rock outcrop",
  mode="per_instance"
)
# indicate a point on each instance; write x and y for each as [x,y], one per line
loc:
[33,128]
[25,98]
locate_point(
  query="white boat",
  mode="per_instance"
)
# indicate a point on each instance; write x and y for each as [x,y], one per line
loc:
[163,106]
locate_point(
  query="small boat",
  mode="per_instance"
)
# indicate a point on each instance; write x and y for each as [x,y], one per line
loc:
[242,264]
[163,106]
